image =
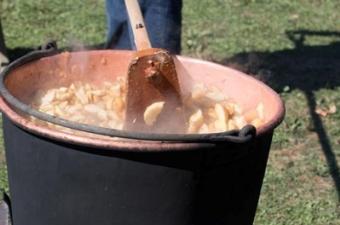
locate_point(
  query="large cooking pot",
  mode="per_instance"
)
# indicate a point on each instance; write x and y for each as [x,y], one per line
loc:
[59,178]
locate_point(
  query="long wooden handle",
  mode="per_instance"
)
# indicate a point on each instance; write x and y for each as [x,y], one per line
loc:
[137,25]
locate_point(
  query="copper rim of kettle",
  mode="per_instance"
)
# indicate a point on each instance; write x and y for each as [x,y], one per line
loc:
[137,145]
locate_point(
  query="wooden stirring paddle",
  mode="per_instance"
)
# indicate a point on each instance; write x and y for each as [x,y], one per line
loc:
[154,101]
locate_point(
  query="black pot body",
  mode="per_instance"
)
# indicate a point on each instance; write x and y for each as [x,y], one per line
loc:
[56,183]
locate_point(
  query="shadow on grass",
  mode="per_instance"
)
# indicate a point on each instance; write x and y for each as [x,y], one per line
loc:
[308,68]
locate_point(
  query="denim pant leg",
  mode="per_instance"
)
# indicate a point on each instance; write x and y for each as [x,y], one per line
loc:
[117,22]
[163,20]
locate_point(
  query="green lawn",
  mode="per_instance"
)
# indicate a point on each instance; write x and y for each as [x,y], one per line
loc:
[294,46]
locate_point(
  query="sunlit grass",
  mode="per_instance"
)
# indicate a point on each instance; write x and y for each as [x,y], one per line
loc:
[298,188]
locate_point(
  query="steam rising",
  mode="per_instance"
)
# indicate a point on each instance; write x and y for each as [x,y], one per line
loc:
[79,61]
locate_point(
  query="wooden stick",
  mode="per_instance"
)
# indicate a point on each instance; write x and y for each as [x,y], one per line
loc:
[137,24]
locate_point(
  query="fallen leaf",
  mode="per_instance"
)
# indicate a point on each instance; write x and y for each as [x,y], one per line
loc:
[294,16]
[321,112]
[332,109]
[325,112]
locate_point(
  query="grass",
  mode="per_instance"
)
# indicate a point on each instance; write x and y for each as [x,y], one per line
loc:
[294,46]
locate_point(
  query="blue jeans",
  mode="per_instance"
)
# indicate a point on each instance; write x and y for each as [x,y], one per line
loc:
[163,20]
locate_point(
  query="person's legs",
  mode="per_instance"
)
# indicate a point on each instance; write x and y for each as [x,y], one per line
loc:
[162,18]
[118,33]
